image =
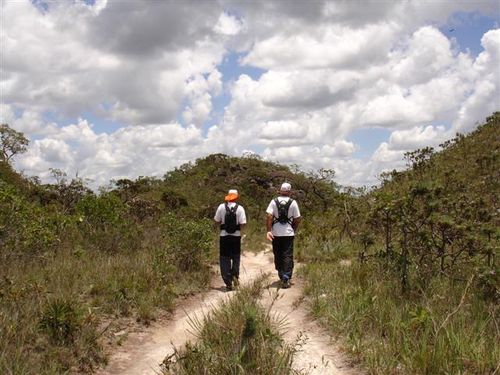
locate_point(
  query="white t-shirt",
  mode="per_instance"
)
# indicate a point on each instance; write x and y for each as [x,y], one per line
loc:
[279,229]
[220,215]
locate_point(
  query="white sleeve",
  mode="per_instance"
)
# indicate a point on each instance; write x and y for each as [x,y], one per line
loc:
[218,214]
[294,207]
[270,208]
[242,218]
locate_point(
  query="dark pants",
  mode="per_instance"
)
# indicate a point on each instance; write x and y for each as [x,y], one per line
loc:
[283,256]
[230,254]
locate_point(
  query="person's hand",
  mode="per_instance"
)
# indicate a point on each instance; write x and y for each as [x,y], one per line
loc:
[269,236]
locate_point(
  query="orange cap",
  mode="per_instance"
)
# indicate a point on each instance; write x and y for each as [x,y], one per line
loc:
[232,195]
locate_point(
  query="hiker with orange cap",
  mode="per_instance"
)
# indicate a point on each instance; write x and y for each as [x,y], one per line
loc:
[232,219]
[283,219]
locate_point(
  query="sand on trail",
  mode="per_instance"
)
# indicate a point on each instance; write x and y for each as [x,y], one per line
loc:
[143,352]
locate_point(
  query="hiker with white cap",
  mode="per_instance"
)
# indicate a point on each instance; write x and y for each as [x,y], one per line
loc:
[283,219]
[232,219]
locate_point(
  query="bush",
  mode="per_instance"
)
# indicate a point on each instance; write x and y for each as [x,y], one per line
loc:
[61,321]
[104,222]
[25,229]
[189,242]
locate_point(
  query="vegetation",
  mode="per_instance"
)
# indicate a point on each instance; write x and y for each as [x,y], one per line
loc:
[421,293]
[11,143]
[74,262]
[239,337]
[406,273]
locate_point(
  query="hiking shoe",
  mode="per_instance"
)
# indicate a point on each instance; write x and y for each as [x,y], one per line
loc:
[229,287]
[236,282]
[285,283]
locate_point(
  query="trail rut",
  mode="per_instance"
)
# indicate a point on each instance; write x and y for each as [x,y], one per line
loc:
[142,352]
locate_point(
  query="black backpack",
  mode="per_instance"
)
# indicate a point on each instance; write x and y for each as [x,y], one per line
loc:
[282,212]
[230,223]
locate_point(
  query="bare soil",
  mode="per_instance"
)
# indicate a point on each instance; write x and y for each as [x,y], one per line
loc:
[143,351]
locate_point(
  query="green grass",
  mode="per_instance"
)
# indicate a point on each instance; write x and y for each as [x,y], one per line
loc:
[445,329]
[239,337]
[52,309]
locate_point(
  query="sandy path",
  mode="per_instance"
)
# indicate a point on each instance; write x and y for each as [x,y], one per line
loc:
[143,351]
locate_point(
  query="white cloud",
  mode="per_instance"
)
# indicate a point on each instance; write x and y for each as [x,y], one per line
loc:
[331,46]
[283,130]
[426,55]
[485,97]
[329,69]
[53,150]
[228,24]
[75,58]
[130,151]
[340,148]
[418,137]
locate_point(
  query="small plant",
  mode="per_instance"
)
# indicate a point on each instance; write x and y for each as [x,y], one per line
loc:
[61,320]
[240,337]
[489,284]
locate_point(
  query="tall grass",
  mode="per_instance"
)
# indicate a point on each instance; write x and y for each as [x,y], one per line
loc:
[445,329]
[55,308]
[239,337]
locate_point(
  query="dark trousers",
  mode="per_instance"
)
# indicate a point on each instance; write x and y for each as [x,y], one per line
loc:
[283,256]
[230,254]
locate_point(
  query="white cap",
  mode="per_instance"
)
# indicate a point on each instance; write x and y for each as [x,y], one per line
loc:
[232,195]
[285,186]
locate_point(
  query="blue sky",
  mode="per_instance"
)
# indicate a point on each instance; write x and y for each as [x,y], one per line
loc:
[120,89]
[468,28]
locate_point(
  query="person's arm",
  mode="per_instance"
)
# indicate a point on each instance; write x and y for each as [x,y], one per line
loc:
[217,224]
[217,218]
[242,218]
[295,223]
[269,227]
[296,216]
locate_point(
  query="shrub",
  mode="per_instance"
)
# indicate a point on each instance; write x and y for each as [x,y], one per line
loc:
[105,224]
[24,227]
[61,320]
[189,242]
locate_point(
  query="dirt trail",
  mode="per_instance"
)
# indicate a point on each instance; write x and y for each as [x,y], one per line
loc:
[143,351]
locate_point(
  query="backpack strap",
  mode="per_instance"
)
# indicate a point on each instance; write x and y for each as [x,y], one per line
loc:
[233,210]
[287,207]
[235,207]
[277,203]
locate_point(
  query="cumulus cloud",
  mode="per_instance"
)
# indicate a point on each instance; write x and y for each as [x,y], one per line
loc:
[332,47]
[418,137]
[283,131]
[128,152]
[228,24]
[130,60]
[155,69]
[485,97]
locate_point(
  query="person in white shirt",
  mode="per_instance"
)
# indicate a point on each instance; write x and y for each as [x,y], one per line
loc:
[283,219]
[232,219]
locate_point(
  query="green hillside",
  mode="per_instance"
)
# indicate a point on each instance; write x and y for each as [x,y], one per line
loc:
[195,190]
[414,287]
[77,266]
[406,273]
[73,260]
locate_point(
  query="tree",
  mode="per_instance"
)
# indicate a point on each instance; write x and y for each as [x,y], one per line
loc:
[12,143]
